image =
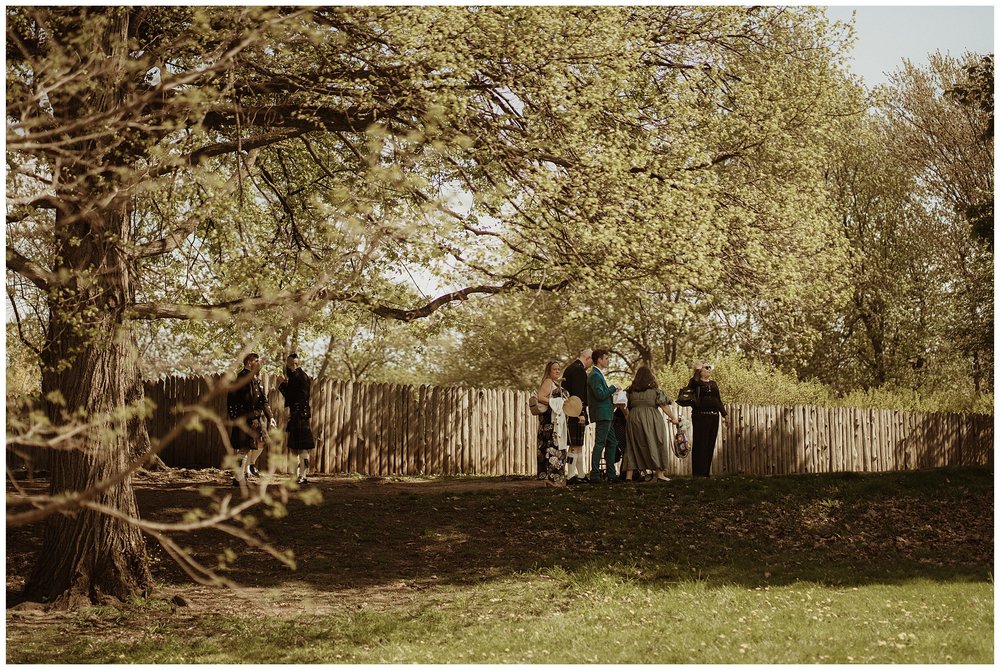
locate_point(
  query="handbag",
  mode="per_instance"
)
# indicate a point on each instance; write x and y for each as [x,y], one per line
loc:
[536,408]
[681,446]
[686,397]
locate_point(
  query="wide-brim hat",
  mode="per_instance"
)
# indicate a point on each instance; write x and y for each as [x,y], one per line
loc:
[573,406]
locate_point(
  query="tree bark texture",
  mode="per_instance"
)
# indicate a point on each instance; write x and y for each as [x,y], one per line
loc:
[90,359]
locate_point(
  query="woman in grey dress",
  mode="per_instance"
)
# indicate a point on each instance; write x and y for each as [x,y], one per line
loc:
[647,445]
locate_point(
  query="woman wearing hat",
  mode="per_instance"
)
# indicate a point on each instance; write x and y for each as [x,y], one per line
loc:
[705,418]
[550,456]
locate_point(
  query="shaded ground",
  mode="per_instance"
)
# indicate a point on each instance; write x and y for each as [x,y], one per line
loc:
[381,544]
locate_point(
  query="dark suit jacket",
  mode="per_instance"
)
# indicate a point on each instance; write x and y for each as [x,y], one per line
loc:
[295,390]
[599,396]
[249,399]
[248,402]
[575,381]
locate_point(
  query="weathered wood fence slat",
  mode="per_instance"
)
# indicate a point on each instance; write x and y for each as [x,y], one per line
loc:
[390,429]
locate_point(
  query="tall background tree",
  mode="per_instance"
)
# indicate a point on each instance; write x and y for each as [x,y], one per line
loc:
[948,138]
[908,185]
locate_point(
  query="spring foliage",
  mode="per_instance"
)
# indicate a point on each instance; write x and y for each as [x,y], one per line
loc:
[681,181]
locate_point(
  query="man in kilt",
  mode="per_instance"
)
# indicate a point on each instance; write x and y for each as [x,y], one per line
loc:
[251,415]
[295,390]
[575,383]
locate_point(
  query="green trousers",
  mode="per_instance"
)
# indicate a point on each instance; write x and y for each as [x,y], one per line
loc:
[606,445]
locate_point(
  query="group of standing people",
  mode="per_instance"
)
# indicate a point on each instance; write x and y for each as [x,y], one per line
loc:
[641,408]
[643,445]
[250,413]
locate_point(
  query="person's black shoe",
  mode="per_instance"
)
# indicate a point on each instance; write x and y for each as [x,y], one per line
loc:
[574,480]
[254,472]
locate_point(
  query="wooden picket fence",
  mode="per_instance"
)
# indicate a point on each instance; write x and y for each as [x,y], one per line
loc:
[392,429]
[375,429]
[789,440]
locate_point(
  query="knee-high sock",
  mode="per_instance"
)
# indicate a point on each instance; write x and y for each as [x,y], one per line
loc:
[240,468]
[302,464]
[252,459]
[574,463]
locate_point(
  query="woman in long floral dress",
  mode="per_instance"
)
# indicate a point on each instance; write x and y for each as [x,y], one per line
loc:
[553,457]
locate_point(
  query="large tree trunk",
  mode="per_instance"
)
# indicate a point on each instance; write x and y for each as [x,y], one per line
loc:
[91,361]
[90,357]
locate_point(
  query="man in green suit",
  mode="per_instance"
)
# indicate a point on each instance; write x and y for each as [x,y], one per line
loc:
[599,403]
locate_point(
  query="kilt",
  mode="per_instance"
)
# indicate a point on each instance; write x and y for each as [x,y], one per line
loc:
[300,436]
[247,439]
[574,431]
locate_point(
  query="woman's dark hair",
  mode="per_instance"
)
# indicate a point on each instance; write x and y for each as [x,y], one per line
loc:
[644,380]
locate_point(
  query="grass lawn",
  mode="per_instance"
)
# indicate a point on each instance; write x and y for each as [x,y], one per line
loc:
[840,568]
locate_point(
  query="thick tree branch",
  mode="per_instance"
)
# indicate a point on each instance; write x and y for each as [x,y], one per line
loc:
[245,144]
[23,210]
[225,310]
[293,116]
[28,269]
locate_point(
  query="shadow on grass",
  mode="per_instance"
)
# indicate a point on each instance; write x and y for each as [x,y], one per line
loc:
[837,529]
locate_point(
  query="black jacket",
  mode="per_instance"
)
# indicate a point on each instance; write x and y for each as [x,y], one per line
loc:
[575,381]
[295,390]
[249,399]
[707,396]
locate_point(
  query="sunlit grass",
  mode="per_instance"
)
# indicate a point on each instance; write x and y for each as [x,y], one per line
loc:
[561,617]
